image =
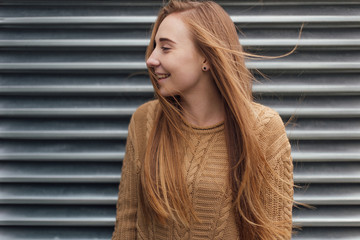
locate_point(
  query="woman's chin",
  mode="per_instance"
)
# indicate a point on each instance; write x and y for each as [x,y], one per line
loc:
[165,92]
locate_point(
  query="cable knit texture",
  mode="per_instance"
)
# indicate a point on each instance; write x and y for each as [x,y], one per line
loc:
[206,171]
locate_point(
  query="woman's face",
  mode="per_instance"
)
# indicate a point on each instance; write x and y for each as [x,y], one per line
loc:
[175,59]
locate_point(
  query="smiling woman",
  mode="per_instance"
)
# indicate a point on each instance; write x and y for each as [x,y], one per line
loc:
[203,161]
[176,61]
[180,69]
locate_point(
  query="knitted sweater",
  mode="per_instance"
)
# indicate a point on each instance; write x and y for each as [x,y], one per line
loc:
[206,172]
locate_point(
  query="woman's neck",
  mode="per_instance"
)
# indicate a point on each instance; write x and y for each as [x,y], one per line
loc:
[203,109]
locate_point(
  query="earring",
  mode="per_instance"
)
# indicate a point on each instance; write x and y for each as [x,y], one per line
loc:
[204,68]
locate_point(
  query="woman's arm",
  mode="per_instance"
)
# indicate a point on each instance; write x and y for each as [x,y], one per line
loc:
[279,202]
[126,207]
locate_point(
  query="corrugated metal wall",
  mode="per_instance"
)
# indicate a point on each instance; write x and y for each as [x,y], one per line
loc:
[73,72]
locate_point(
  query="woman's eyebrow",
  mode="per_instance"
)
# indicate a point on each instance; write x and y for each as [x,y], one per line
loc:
[166,40]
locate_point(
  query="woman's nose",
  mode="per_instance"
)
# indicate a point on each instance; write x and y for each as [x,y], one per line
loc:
[152,61]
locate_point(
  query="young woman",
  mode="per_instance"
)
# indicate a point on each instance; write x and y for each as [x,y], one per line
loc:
[203,161]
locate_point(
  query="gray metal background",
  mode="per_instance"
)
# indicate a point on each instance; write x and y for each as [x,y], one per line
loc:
[73,72]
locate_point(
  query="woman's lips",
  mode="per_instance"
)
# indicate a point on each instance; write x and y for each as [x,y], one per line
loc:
[162,76]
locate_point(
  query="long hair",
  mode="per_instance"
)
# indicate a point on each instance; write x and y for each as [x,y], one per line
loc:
[164,193]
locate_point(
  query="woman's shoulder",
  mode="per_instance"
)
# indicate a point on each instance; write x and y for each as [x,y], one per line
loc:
[268,126]
[143,118]
[264,114]
[146,109]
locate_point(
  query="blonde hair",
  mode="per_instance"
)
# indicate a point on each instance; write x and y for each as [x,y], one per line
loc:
[164,193]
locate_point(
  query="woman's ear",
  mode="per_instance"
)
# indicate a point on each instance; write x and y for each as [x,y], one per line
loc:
[205,65]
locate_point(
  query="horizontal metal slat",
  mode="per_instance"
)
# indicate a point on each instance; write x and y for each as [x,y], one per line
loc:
[75,43]
[63,233]
[326,151]
[104,233]
[334,112]
[328,194]
[118,125]
[78,20]
[12,193]
[62,150]
[34,215]
[284,89]
[100,84]
[138,39]
[88,89]
[343,172]
[116,134]
[326,233]
[67,156]
[301,43]
[326,216]
[116,112]
[257,89]
[75,66]
[336,19]
[122,43]
[76,106]
[314,66]
[348,216]
[64,134]
[156,3]
[313,134]
[127,66]
[303,129]
[329,156]
[116,156]
[72,193]
[128,20]
[67,112]
[334,107]
[83,3]
[294,89]
[60,172]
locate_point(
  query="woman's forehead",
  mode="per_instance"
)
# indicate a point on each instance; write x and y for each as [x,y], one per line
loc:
[173,28]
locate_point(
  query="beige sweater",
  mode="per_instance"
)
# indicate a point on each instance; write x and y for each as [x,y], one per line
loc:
[206,175]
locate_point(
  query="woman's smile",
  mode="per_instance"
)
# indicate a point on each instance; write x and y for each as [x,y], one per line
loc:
[162,76]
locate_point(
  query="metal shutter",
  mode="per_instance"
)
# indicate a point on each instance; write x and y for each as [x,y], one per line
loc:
[73,72]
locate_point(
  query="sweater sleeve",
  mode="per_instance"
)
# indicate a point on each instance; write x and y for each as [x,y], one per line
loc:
[126,207]
[279,200]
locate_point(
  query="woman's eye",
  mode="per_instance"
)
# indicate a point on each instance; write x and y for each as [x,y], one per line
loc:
[165,48]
